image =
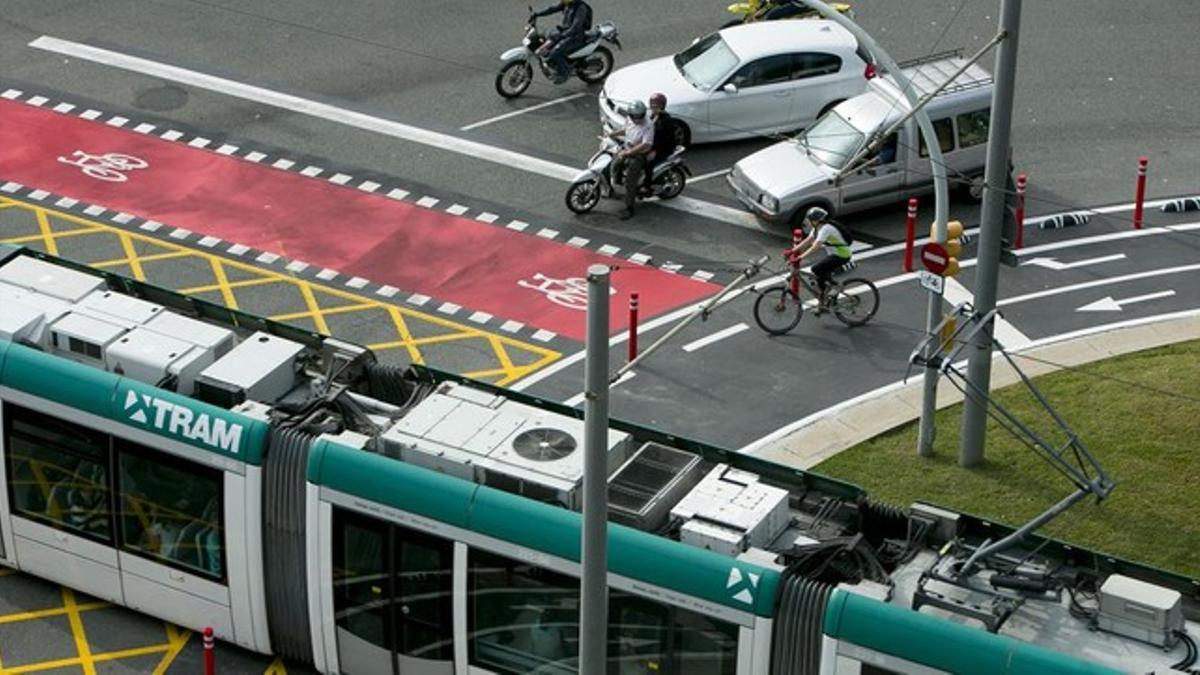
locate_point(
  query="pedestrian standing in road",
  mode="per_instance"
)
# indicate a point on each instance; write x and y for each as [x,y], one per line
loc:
[570,34]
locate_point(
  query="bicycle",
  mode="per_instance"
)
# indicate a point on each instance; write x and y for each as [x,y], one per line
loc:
[778,309]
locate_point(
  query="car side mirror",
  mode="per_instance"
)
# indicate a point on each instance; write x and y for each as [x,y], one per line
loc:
[730,88]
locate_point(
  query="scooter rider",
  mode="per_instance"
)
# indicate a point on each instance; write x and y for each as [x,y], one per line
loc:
[664,133]
[630,162]
[825,232]
[569,36]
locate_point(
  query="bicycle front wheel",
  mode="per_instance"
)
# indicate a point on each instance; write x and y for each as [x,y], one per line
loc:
[777,310]
[856,302]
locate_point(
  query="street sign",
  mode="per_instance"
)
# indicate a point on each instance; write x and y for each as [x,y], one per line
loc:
[932,282]
[935,257]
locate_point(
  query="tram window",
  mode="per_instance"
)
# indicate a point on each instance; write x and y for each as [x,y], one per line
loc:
[422,578]
[637,635]
[360,580]
[58,472]
[523,618]
[171,509]
[705,645]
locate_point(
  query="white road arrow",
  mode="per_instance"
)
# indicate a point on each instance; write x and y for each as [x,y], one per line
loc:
[1107,304]
[1052,264]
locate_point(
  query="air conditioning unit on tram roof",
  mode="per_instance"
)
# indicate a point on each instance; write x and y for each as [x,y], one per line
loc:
[498,442]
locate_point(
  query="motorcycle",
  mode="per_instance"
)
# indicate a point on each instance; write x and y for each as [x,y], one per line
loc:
[592,62]
[769,10]
[668,176]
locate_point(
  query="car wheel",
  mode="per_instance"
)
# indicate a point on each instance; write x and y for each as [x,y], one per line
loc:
[682,133]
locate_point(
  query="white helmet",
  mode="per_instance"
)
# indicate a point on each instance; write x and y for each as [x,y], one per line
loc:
[816,215]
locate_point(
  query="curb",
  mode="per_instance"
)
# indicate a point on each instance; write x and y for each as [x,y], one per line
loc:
[826,433]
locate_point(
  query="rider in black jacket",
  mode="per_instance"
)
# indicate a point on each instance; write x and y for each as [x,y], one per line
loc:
[569,36]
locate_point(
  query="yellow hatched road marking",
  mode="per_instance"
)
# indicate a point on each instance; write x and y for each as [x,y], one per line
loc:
[53,611]
[81,643]
[276,668]
[177,639]
[501,346]
[44,226]
[135,266]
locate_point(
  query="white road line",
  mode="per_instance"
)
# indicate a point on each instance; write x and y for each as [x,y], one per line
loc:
[786,430]
[706,176]
[579,398]
[1099,282]
[1008,335]
[347,117]
[522,111]
[1053,264]
[719,335]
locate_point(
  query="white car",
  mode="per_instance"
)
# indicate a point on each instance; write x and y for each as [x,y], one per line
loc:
[757,78]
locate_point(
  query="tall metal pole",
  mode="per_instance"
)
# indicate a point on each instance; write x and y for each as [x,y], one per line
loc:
[987,270]
[593,605]
[941,204]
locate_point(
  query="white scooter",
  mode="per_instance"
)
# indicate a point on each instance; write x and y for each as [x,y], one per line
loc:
[591,63]
[668,177]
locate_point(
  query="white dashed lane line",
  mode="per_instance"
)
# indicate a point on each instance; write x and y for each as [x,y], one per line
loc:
[715,337]
[522,111]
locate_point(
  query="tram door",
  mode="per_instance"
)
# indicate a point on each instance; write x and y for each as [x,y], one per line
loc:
[392,598]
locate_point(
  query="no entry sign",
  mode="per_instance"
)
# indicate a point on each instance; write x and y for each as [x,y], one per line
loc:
[934,257]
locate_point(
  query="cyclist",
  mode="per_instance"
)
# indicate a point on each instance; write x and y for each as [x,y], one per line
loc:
[823,231]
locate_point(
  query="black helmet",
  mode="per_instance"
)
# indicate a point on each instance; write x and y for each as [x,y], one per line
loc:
[816,215]
[636,110]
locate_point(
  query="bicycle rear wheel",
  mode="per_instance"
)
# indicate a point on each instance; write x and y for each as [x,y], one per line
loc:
[777,310]
[856,302]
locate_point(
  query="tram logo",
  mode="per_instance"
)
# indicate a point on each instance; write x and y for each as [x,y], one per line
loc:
[172,418]
[742,586]
[571,292]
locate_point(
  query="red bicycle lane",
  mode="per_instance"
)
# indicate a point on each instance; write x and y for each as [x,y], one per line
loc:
[509,274]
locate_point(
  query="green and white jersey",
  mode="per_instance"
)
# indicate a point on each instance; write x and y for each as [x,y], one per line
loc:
[833,241]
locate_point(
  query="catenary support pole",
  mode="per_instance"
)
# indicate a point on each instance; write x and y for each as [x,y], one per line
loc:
[979,363]
[941,205]
[593,604]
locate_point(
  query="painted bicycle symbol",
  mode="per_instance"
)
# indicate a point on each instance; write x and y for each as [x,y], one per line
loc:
[111,166]
[571,292]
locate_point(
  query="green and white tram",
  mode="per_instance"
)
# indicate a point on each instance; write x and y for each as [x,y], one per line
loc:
[210,468]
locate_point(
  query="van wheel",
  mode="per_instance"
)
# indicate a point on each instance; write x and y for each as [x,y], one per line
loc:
[972,189]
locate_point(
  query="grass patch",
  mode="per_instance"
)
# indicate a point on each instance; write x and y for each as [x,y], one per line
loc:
[1147,441]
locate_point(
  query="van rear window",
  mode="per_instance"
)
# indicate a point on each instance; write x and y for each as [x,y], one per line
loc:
[973,128]
[944,128]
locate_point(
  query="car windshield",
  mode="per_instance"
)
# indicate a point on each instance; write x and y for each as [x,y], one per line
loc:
[705,62]
[832,140]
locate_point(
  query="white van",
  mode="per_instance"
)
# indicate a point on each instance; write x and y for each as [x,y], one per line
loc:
[781,182]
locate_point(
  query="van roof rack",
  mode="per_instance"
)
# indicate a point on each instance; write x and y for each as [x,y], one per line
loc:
[927,73]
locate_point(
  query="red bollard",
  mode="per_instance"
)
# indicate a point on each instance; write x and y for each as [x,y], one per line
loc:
[1140,200]
[910,234]
[1020,215]
[210,665]
[794,259]
[633,325]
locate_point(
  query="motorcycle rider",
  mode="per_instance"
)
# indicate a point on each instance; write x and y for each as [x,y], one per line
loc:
[630,162]
[664,133]
[568,36]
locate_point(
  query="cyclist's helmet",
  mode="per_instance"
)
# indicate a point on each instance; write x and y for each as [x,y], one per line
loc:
[636,110]
[658,100]
[816,215]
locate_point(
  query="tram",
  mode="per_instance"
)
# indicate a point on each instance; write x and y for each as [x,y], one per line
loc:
[211,468]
